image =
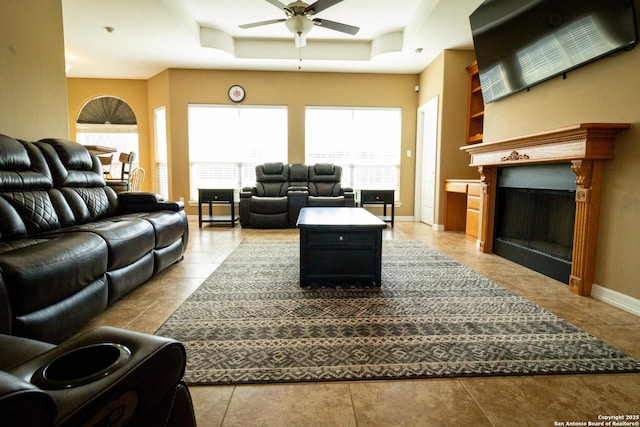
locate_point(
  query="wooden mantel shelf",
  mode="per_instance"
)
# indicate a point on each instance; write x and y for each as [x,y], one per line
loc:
[586,141]
[585,146]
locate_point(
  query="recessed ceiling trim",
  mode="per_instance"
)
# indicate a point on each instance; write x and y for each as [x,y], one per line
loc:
[320,50]
[216,39]
[387,43]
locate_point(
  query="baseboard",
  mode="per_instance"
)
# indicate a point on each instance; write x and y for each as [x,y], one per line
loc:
[617,299]
[438,227]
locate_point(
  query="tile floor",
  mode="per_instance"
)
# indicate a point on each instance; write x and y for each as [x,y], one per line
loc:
[491,401]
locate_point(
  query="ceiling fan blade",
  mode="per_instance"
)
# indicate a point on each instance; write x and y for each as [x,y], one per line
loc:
[332,25]
[279,5]
[319,6]
[261,23]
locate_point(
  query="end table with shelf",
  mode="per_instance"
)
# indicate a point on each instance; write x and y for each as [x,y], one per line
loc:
[217,196]
[380,197]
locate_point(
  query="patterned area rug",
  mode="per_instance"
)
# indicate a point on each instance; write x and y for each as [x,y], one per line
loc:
[250,322]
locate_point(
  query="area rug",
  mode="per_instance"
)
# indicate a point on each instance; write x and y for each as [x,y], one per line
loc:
[250,322]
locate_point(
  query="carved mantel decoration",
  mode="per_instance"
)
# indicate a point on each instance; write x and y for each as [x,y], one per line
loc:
[586,146]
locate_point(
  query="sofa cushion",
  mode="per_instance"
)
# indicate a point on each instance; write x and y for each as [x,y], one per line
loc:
[330,201]
[74,260]
[86,204]
[127,239]
[168,226]
[269,205]
[59,321]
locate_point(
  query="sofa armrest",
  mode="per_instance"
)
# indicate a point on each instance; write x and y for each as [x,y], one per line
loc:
[348,192]
[247,192]
[140,201]
[23,404]
[139,389]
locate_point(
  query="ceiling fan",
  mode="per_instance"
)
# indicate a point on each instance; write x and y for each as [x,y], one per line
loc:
[300,19]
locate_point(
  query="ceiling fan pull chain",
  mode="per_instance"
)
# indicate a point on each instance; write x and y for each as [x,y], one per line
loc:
[300,58]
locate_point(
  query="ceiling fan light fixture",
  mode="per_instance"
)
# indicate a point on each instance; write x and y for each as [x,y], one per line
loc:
[299,26]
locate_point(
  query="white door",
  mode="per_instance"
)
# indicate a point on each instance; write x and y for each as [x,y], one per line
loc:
[429,151]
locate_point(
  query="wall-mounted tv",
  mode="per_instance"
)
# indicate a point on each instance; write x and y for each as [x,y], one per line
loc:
[519,43]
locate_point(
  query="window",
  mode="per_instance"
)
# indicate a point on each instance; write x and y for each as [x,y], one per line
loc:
[123,138]
[109,122]
[227,142]
[162,173]
[364,141]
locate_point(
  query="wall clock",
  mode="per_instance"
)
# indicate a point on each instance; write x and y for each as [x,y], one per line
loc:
[236,93]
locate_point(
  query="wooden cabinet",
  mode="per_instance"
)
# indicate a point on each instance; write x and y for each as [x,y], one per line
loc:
[473,210]
[475,106]
[462,206]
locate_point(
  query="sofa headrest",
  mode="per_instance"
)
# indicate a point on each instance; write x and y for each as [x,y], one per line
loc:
[74,156]
[22,166]
[272,172]
[323,168]
[325,172]
[71,163]
[13,155]
[298,172]
[273,168]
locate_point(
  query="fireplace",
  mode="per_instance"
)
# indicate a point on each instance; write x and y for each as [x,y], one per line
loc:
[582,149]
[534,221]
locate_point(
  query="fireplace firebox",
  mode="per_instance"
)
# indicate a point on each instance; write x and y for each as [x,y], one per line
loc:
[534,220]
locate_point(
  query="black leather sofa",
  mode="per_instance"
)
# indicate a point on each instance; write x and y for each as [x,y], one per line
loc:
[105,377]
[281,190]
[69,246]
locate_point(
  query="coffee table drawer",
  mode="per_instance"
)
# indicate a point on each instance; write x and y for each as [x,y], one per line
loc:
[317,238]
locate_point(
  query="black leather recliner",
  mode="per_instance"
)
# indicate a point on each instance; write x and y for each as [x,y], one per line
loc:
[281,190]
[325,188]
[105,377]
[266,205]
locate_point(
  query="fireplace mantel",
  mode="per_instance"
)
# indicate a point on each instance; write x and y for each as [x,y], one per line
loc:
[585,146]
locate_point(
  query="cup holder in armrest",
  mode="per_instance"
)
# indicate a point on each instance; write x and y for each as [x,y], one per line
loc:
[81,366]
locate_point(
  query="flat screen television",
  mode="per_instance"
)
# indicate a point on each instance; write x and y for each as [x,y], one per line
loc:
[519,43]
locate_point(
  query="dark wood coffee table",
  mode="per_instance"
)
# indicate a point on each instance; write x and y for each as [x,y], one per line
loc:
[340,245]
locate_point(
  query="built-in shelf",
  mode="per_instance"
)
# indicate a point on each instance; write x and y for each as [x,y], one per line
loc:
[475,106]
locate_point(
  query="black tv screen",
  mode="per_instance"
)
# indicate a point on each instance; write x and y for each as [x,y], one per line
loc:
[519,43]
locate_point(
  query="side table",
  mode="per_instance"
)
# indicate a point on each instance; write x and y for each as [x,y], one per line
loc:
[380,197]
[213,196]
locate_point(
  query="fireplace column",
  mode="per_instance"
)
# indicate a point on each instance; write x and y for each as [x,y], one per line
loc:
[589,183]
[489,182]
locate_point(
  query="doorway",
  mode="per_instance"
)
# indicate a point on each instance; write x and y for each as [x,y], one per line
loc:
[427,160]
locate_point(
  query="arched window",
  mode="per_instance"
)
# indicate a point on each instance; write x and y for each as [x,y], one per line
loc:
[110,123]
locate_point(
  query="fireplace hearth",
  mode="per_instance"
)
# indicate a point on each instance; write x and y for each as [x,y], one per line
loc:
[582,148]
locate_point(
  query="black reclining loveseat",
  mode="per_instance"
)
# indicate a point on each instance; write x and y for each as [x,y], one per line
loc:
[281,190]
[69,246]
